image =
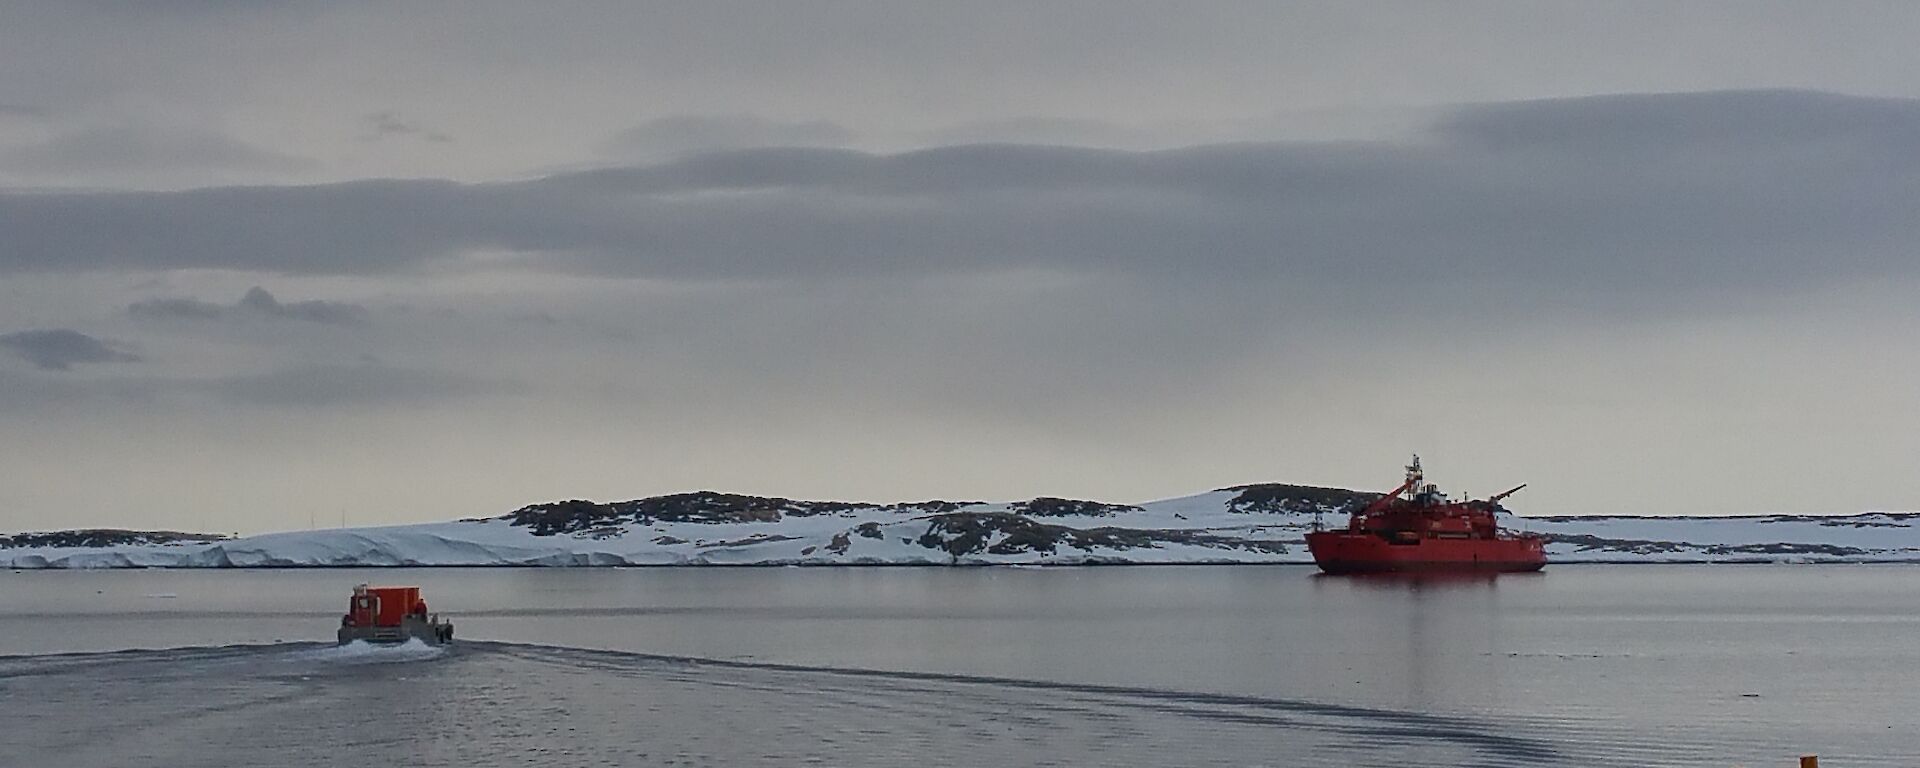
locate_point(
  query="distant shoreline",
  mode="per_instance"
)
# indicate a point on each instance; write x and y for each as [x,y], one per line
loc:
[1242,525]
[892,566]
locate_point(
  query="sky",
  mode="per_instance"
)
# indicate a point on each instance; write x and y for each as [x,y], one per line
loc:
[271,265]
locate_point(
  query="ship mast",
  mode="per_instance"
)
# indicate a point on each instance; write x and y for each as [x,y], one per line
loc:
[1414,476]
[1410,489]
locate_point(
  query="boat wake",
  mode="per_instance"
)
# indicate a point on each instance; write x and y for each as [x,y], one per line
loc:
[488,703]
[363,652]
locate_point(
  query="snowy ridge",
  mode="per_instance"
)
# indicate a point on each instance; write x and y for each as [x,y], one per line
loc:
[1246,524]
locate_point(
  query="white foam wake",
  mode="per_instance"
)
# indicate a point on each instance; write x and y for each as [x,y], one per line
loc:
[363,652]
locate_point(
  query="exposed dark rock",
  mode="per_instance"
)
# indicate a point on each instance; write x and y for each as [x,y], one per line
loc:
[698,507]
[935,507]
[967,533]
[1866,520]
[841,541]
[812,508]
[1588,543]
[1048,506]
[1279,498]
[1259,545]
[964,533]
[870,530]
[1863,523]
[566,516]
[1830,550]
[758,538]
[104,537]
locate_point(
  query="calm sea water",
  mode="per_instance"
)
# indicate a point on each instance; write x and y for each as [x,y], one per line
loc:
[1581,665]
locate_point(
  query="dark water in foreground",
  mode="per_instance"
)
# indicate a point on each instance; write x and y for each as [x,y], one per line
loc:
[1583,665]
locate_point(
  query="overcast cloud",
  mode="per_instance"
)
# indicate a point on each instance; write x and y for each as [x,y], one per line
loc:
[1665,192]
[59,349]
[681,135]
[1661,255]
[257,303]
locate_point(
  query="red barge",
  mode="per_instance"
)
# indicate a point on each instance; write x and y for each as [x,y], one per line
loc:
[392,615]
[1416,528]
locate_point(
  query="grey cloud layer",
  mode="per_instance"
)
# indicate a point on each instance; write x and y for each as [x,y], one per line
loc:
[315,386]
[687,134]
[60,349]
[1621,192]
[1690,123]
[387,124]
[256,303]
[137,148]
[369,383]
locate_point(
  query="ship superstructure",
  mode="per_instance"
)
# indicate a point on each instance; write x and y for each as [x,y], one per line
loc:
[1416,527]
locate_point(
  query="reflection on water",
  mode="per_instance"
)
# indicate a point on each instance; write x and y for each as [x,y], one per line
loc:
[1436,615]
[1417,582]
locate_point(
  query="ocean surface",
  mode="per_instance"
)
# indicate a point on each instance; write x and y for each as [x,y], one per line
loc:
[1639,665]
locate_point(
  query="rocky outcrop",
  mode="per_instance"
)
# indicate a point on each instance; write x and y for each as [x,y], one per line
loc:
[105,537]
[1048,506]
[697,507]
[1279,498]
[1005,533]
[1590,543]
[577,516]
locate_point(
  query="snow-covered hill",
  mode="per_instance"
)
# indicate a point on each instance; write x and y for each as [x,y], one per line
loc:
[1248,524]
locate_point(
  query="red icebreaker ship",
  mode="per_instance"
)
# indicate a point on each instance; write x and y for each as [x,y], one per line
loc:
[1415,528]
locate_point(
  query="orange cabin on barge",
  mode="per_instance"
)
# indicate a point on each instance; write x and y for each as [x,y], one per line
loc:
[1416,528]
[391,615]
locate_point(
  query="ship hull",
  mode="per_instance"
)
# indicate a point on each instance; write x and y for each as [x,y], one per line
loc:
[1351,552]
